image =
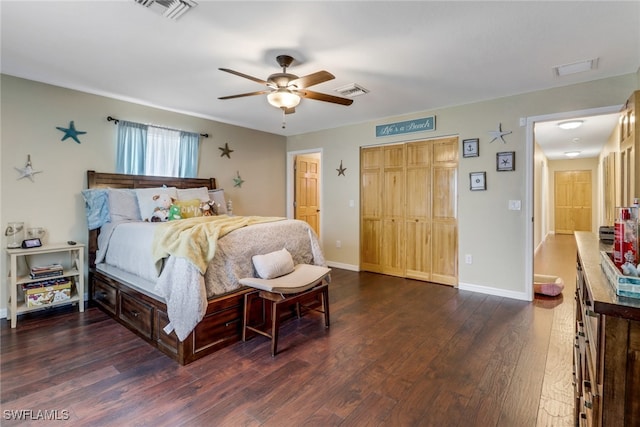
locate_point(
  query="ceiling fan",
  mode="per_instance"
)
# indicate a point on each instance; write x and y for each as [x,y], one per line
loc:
[285,90]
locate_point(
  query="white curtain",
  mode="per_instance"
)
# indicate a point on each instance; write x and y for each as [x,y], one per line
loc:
[151,150]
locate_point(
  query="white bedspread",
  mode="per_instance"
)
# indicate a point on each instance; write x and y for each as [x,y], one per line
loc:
[184,289]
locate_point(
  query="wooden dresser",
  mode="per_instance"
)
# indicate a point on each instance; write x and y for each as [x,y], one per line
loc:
[607,345]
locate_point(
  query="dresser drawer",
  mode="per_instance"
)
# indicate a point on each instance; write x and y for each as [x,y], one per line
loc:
[136,314]
[105,295]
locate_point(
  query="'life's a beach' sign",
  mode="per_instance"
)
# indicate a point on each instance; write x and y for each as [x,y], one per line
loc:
[418,125]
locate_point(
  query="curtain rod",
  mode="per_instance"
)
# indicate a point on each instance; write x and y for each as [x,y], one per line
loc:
[115,122]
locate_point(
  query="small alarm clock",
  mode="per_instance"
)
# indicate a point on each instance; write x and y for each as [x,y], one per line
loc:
[31,243]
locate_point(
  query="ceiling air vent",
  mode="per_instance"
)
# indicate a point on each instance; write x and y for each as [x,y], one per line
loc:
[172,9]
[351,90]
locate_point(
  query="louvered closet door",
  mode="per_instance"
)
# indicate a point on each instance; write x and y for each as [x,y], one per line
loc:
[393,250]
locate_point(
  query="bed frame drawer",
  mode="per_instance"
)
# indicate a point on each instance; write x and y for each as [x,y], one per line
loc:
[137,314]
[105,295]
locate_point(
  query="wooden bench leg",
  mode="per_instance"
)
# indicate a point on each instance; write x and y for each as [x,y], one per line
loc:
[325,306]
[275,326]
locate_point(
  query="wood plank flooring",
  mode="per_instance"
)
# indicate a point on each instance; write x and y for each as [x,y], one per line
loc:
[399,353]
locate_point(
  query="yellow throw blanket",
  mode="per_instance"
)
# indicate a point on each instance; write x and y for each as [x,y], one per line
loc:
[196,238]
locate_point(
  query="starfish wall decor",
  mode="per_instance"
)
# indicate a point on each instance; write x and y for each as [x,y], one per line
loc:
[341,169]
[237,181]
[27,171]
[71,132]
[498,134]
[226,151]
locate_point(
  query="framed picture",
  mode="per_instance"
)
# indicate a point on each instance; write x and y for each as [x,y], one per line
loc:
[506,161]
[470,148]
[478,181]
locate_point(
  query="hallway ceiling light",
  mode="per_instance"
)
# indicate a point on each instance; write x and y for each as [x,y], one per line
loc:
[570,124]
[572,153]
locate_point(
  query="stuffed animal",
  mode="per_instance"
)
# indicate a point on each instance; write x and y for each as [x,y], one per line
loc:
[161,211]
[209,208]
[174,213]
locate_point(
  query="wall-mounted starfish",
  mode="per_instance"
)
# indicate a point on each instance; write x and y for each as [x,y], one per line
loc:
[237,182]
[27,171]
[341,169]
[71,132]
[498,134]
[226,151]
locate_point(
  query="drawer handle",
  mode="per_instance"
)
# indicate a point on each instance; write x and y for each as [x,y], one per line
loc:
[591,313]
[588,404]
[232,322]
[135,313]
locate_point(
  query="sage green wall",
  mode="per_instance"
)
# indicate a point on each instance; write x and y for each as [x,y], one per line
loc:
[29,116]
[492,234]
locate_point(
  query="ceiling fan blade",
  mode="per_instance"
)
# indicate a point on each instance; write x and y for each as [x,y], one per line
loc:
[324,97]
[260,92]
[312,79]
[246,76]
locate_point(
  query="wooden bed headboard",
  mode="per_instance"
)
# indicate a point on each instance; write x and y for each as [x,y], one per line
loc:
[116,180]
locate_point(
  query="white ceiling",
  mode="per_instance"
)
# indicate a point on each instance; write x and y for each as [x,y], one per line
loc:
[412,56]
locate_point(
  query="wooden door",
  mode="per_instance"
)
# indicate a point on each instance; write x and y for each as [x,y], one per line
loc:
[371,209]
[572,201]
[393,173]
[444,217]
[418,211]
[307,203]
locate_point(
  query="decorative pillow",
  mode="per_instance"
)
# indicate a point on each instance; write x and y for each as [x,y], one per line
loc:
[201,193]
[97,207]
[217,196]
[273,264]
[123,205]
[154,203]
[188,208]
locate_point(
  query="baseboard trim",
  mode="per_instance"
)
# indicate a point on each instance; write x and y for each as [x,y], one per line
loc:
[343,266]
[494,291]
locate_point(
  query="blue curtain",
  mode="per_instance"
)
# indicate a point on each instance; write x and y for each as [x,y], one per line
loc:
[131,148]
[152,150]
[189,147]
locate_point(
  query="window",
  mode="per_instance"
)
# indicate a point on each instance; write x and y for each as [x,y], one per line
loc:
[153,150]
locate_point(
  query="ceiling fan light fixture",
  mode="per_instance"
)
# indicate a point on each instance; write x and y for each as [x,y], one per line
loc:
[570,124]
[283,98]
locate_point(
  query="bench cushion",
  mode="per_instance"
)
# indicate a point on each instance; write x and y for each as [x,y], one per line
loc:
[303,277]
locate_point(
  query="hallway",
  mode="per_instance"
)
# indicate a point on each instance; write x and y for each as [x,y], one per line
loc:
[557,256]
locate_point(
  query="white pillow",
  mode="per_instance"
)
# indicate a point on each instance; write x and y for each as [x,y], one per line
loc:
[123,205]
[154,203]
[201,193]
[217,196]
[273,264]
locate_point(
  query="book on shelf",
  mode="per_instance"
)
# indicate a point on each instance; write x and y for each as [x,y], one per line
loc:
[46,267]
[51,270]
[62,281]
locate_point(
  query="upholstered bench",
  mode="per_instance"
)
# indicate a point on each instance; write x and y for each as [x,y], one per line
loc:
[302,283]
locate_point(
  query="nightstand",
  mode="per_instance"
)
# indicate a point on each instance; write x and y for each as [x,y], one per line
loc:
[71,257]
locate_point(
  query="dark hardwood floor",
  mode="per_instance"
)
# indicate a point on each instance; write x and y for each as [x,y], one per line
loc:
[399,353]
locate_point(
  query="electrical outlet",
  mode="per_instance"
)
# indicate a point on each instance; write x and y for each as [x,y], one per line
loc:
[468,259]
[338,244]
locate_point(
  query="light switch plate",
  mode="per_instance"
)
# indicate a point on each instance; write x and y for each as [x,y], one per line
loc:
[515,205]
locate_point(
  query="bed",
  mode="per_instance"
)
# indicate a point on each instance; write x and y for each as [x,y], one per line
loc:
[191,307]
